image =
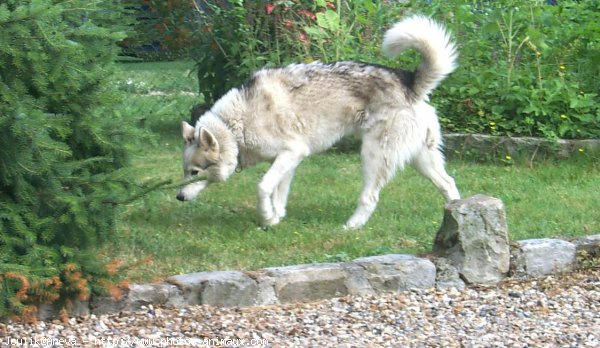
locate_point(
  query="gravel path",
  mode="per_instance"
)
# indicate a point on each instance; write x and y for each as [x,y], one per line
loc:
[550,312]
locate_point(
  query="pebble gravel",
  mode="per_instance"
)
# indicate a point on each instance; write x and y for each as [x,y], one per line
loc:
[557,311]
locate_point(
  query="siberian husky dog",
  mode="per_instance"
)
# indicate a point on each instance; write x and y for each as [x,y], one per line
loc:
[284,114]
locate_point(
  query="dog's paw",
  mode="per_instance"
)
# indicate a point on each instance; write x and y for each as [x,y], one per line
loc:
[279,212]
[271,221]
[350,225]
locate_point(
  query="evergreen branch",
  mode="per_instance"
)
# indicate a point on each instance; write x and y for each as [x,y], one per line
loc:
[162,185]
[29,16]
[55,148]
[140,194]
[27,169]
[183,183]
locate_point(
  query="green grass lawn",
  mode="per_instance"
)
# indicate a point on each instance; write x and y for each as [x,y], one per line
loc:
[169,77]
[220,229]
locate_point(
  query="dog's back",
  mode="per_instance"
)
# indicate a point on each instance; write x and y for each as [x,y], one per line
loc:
[324,102]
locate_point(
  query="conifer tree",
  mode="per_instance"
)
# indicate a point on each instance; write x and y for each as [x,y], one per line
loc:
[61,145]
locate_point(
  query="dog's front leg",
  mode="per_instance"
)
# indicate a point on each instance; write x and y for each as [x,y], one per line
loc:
[274,187]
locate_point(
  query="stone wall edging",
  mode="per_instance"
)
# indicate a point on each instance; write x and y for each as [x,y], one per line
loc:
[310,282]
[471,247]
[459,145]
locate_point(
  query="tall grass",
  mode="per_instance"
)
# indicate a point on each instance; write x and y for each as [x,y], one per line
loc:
[219,230]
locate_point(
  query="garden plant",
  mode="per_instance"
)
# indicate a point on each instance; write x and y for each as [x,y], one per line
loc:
[62,151]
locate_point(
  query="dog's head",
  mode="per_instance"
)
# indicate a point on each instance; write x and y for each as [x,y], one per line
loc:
[203,159]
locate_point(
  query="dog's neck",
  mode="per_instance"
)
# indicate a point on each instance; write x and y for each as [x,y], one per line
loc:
[228,145]
[224,122]
[229,109]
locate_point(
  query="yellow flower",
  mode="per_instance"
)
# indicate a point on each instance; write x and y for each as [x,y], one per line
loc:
[580,150]
[508,158]
[563,117]
[492,123]
[481,113]
[562,67]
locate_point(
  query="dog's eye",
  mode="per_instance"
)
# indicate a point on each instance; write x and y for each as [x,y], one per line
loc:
[194,172]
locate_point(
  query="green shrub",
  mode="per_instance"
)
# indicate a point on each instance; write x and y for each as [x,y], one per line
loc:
[61,148]
[526,68]
[162,31]
[235,38]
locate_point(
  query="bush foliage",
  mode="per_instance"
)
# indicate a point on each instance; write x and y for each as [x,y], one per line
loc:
[235,38]
[526,67]
[61,149]
[163,29]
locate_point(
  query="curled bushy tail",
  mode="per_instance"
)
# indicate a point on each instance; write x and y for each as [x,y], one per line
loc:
[432,41]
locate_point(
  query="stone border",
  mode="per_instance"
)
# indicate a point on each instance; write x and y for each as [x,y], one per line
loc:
[460,145]
[471,248]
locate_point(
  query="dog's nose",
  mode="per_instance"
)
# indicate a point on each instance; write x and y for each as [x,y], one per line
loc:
[180,197]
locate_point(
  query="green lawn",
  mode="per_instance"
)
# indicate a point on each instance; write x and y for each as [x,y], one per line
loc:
[220,229]
[169,77]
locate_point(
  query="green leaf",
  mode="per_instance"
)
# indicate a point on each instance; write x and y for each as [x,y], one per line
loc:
[490,27]
[473,90]
[563,129]
[329,20]
[369,6]
[4,13]
[315,32]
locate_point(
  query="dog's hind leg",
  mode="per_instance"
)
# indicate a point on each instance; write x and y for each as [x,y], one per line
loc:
[430,163]
[378,166]
[280,195]
[277,176]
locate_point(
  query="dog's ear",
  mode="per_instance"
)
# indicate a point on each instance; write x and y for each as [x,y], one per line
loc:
[187,132]
[208,140]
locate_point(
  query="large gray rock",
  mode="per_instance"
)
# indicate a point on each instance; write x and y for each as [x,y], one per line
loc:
[306,282]
[222,289]
[153,294]
[398,272]
[266,288]
[589,244]
[136,296]
[357,280]
[48,311]
[540,257]
[106,304]
[447,275]
[474,237]
[588,251]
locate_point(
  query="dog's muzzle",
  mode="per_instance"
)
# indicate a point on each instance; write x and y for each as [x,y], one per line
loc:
[190,191]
